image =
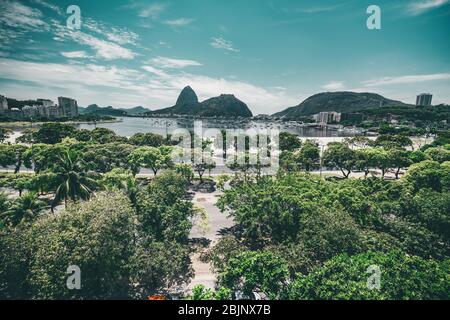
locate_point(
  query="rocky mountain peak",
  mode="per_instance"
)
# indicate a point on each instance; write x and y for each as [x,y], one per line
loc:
[187,96]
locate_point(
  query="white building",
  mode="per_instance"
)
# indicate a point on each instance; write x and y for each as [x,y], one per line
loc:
[327,117]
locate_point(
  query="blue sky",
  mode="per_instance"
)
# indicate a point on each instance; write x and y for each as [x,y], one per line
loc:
[270,54]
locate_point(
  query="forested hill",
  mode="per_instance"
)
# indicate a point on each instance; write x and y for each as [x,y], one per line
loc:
[225,105]
[337,101]
[110,111]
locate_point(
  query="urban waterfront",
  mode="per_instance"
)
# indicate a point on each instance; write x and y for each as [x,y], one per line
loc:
[128,126]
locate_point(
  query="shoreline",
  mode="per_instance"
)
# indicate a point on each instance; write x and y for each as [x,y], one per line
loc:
[28,125]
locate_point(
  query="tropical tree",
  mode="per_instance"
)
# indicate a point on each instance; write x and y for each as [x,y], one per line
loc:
[429,174]
[289,142]
[359,142]
[121,179]
[4,134]
[439,154]
[362,160]
[42,157]
[102,236]
[399,158]
[105,157]
[53,132]
[380,158]
[417,156]
[186,171]
[152,158]
[255,271]
[287,161]
[23,210]
[71,180]
[393,141]
[21,182]
[4,206]
[162,209]
[340,156]
[374,275]
[203,161]
[104,135]
[308,157]
[147,139]
[12,155]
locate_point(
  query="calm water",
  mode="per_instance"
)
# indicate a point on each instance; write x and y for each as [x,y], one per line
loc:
[130,126]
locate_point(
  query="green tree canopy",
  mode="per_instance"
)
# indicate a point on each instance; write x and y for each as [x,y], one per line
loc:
[401,277]
[255,271]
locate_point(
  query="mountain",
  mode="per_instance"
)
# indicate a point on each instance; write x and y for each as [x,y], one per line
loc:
[136,110]
[336,101]
[106,111]
[187,96]
[225,105]
[110,111]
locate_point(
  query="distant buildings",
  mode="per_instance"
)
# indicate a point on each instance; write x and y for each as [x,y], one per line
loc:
[44,108]
[328,117]
[424,99]
[337,117]
[69,107]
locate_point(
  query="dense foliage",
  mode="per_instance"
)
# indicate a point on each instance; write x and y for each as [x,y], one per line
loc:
[297,235]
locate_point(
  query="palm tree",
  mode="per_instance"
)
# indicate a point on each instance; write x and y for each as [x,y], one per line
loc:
[73,182]
[23,210]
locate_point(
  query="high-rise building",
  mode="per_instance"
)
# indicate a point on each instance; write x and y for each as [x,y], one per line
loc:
[54,111]
[30,111]
[3,104]
[69,107]
[328,117]
[322,117]
[424,99]
[46,102]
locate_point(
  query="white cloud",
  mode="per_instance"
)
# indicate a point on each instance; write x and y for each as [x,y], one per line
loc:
[314,9]
[75,54]
[178,22]
[259,99]
[48,73]
[334,86]
[104,49]
[118,35]
[221,43]
[171,63]
[406,79]
[15,14]
[50,6]
[152,11]
[123,87]
[155,71]
[419,7]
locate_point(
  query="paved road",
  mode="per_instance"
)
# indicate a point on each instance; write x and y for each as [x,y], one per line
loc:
[216,222]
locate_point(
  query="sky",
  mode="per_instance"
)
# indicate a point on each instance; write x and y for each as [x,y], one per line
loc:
[270,54]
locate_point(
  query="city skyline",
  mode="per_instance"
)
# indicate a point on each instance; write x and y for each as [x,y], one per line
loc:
[270,54]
